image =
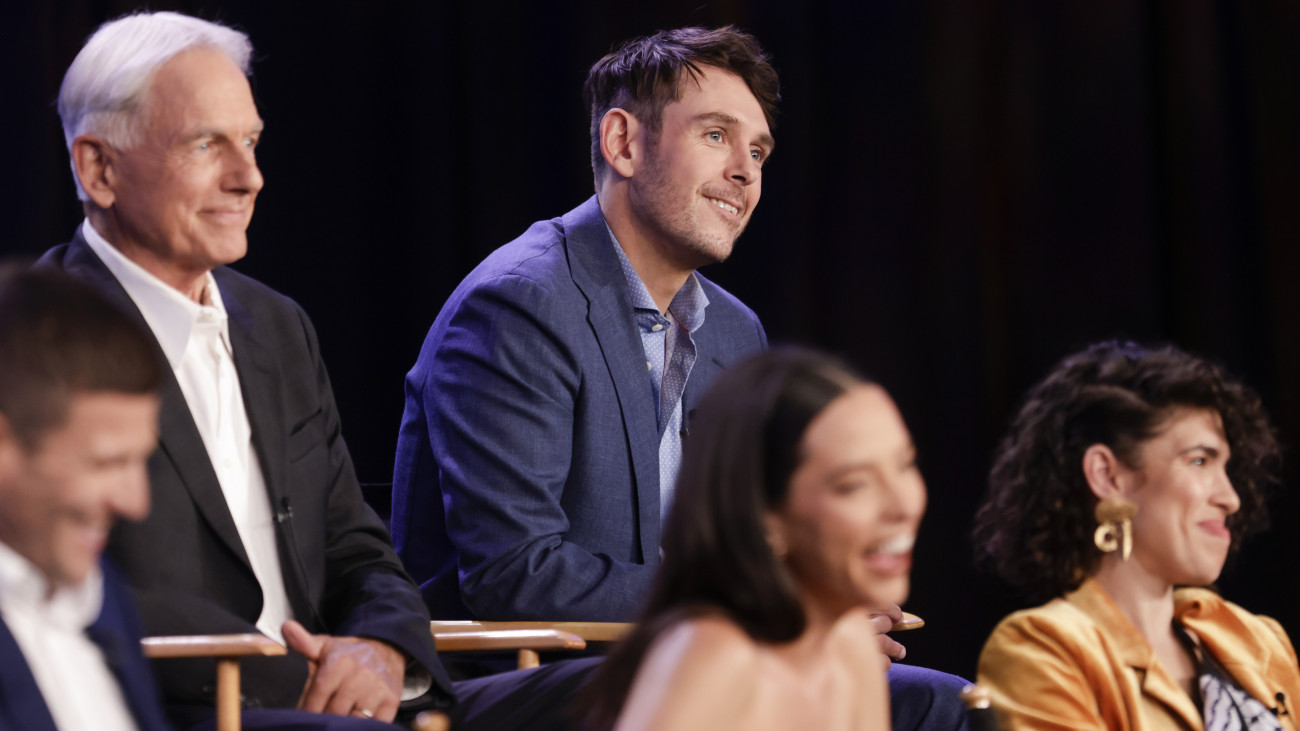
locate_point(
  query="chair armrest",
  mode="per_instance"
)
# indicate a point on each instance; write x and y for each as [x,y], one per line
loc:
[588,631]
[518,639]
[909,621]
[240,645]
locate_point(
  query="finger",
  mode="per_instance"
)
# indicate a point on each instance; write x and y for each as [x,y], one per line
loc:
[893,611]
[323,685]
[881,623]
[386,710]
[891,648]
[347,698]
[298,639]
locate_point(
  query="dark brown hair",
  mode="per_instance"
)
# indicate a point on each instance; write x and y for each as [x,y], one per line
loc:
[1036,526]
[644,75]
[745,443]
[58,337]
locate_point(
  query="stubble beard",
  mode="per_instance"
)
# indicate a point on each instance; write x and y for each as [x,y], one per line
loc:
[673,211]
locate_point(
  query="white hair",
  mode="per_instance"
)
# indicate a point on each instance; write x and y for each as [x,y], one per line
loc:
[105,91]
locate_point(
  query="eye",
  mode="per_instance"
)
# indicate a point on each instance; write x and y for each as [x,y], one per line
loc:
[204,146]
[1199,461]
[250,142]
[714,136]
[757,155]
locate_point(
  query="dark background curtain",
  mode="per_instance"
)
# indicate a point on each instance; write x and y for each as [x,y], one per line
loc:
[962,192]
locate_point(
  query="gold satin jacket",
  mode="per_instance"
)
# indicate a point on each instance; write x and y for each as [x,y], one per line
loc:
[1077,663]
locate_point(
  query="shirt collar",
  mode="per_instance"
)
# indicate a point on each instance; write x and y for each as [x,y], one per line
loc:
[24,588]
[688,304]
[170,314]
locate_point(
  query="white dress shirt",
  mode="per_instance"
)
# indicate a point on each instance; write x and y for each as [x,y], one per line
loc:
[196,340]
[50,629]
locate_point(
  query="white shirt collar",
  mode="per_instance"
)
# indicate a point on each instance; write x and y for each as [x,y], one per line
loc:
[170,314]
[24,588]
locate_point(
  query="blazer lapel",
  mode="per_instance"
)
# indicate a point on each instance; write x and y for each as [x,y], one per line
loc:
[259,379]
[597,274]
[21,702]
[178,439]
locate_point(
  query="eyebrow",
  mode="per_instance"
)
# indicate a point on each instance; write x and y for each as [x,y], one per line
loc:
[1212,451]
[764,139]
[198,134]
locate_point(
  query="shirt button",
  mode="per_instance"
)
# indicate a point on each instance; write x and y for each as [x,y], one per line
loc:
[649,367]
[657,327]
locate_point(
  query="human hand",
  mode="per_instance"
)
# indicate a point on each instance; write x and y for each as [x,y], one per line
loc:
[349,676]
[883,619]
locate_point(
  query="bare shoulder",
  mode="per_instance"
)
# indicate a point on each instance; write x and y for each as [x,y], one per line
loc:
[695,675]
[708,643]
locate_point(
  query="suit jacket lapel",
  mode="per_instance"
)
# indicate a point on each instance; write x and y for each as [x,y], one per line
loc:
[259,382]
[597,274]
[21,702]
[179,440]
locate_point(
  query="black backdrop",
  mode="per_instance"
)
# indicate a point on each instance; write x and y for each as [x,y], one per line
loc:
[961,193]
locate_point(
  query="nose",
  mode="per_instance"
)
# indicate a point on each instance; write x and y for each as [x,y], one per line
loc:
[743,169]
[130,497]
[1225,494]
[908,497]
[242,174]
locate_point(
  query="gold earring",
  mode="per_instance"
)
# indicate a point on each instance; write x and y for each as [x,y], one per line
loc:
[778,545]
[1116,526]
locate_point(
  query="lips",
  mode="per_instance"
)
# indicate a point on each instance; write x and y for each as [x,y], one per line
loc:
[732,208]
[1216,528]
[893,557]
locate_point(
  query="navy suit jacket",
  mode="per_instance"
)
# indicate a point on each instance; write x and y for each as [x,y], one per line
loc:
[117,633]
[527,476]
[186,563]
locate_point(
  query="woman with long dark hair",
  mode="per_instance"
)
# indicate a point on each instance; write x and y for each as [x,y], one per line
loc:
[1126,480]
[796,507]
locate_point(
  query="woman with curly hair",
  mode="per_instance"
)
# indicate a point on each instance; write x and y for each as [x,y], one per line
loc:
[797,506]
[1126,480]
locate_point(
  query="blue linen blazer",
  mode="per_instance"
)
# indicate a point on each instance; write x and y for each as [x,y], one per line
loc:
[117,633]
[526,483]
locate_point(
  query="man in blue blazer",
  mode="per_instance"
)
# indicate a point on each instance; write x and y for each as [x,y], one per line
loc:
[78,421]
[546,413]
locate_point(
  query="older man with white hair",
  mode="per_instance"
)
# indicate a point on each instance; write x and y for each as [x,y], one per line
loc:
[258,521]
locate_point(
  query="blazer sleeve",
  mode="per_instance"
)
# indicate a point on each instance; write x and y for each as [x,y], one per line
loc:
[366,593]
[499,391]
[1036,679]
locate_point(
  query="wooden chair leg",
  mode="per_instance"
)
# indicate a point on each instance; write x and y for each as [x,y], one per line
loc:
[228,691]
[528,659]
[432,721]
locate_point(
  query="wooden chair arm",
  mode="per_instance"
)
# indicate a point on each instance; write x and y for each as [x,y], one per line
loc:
[588,631]
[242,645]
[519,639]
[909,621]
[227,649]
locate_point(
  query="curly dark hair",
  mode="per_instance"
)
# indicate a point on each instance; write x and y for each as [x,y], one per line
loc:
[1036,526]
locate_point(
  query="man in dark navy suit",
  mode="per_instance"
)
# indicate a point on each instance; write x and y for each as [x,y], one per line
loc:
[78,421]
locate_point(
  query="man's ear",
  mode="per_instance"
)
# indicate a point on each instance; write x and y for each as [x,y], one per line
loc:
[1106,475]
[11,450]
[93,160]
[621,141]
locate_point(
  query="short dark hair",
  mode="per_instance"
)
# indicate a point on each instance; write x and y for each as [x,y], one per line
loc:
[644,75]
[1036,526]
[59,337]
[744,446]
